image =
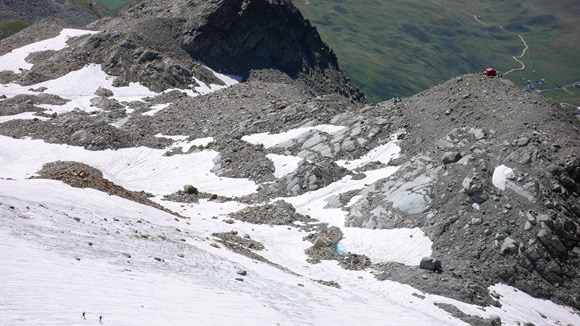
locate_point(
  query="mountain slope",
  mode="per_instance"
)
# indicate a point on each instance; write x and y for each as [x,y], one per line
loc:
[17,14]
[283,200]
[395,49]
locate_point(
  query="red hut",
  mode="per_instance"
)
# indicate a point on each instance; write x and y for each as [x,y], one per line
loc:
[490,72]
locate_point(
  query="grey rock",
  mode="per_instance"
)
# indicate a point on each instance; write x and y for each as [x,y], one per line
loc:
[430,263]
[444,144]
[105,92]
[522,141]
[551,242]
[189,189]
[508,246]
[451,157]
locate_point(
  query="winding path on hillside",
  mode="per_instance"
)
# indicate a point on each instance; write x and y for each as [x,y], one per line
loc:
[517,57]
[479,21]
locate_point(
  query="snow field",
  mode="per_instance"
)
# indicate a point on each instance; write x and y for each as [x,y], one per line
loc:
[15,60]
[41,237]
[200,287]
[133,168]
[405,246]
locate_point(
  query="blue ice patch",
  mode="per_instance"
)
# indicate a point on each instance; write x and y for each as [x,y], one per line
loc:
[339,248]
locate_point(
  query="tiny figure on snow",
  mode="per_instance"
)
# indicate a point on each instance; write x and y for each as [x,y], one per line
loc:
[101,319]
[84,316]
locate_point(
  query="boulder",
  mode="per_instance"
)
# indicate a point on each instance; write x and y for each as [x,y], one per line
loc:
[322,241]
[430,263]
[189,189]
[508,246]
[104,92]
[451,157]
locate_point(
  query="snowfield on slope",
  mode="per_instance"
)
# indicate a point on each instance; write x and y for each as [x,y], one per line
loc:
[15,60]
[69,250]
[78,87]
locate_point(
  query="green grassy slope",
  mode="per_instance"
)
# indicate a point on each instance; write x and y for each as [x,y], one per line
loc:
[114,4]
[398,48]
[11,26]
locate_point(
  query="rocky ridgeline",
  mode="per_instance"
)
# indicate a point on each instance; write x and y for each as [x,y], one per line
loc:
[519,227]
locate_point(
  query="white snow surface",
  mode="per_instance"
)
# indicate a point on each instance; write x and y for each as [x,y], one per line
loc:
[133,168]
[284,164]
[313,202]
[50,273]
[21,116]
[500,176]
[79,88]
[15,60]
[405,246]
[383,153]
[156,108]
[271,140]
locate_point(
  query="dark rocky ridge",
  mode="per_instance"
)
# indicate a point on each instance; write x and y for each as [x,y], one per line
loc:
[238,37]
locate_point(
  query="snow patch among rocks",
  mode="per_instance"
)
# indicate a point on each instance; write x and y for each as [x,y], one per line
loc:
[15,60]
[312,203]
[21,116]
[406,246]
[500,176]
[276,140]
[157,108]
[79,87]
[133,168]
[382,154]
[517,306]
[284,164]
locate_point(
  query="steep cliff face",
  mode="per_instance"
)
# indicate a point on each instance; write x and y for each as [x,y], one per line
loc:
[239,37]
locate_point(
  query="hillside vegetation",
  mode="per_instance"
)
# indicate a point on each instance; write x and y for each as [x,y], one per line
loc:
[18,14]
[398,48]
[114,4]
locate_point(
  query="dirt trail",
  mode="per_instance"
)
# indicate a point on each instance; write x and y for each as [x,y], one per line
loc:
[517,58]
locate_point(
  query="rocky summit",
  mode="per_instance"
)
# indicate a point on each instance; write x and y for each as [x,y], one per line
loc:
[207,161]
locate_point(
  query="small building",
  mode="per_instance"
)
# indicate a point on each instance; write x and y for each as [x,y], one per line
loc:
[490,72]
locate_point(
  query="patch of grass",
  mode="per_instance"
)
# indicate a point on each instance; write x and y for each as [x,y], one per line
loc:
[115,4]
[11,26]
